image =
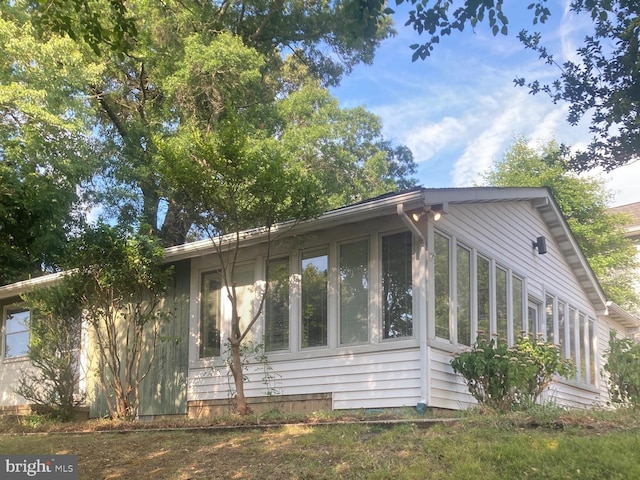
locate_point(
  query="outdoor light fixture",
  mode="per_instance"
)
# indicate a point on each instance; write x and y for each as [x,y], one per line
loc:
[418,215]
[436,211]
[541,245]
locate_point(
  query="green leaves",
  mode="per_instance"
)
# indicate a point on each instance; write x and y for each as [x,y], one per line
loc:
[506,378]
[623,367]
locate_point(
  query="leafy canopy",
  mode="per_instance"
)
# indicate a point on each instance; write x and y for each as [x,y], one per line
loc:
[602,83]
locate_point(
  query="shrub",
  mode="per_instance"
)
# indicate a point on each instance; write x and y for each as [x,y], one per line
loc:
[623,366]
[508,378]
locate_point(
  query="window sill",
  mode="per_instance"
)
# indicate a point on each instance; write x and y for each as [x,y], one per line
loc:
[573,384]
[20,359]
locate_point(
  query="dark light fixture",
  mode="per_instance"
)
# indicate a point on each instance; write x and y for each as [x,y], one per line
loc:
[541,245]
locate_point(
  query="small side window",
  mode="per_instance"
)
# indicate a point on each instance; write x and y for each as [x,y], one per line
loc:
[16,333]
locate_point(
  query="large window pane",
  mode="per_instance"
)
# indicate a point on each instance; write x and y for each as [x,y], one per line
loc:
[354,292]
[276,314]
[210,315]
[571,321]
[314,298]
[584,348]
[562,334]
[592,352]
[483,280]
[463,296]
[549,314]
[501,303]
[397,285]
[442,285]
[518,302]
[16,339]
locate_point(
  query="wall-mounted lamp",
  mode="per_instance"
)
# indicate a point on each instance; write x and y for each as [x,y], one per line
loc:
[541,245]
[438,210]
[418,215]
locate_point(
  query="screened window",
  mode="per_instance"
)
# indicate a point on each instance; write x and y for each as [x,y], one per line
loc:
[584,348]
[210,315]
[354,292]
[442,285]
[517,306]
[533,318]
[562,330]
[483,281]
[572,335]
[501,303]
[549,313]
[397,285]
[276,314]
[16,332]
[592,352]
[463,295]
[314,298]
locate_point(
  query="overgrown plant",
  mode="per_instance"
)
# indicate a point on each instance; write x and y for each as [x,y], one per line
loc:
[122,283]
[623,367]
[53,380]
[507,378]
[251,354]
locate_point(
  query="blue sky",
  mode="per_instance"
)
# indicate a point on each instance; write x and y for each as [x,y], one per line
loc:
[459,110]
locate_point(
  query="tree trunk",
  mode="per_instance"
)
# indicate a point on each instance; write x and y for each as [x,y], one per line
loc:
[236,370]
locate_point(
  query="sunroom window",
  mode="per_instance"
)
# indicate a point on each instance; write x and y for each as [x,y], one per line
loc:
[16,332]
[210,315]
[397,285]
[276,317]
[314,298]
[354,292]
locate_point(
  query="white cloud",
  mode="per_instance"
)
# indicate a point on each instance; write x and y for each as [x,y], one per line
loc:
[426,141]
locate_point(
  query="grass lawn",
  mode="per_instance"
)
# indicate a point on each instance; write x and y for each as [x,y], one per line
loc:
[556,445]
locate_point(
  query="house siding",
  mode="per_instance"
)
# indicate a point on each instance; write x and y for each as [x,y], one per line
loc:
[163,391]
[355,380]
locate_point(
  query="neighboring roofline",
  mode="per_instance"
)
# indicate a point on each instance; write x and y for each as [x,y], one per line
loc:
[540,197]
[620,314]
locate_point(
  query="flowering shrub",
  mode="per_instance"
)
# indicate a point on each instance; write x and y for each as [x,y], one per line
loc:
[507,378]
[623,366]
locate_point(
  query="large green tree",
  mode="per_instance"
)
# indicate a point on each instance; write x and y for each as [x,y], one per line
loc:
[603,83]
[88,119]
[46,152]
[583,201]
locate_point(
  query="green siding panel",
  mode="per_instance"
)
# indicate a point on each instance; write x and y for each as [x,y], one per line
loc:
[164,390]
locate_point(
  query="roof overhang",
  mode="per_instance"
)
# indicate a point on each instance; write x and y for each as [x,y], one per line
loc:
[539,197]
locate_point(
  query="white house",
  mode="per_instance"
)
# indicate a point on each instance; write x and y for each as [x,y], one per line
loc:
[369,302]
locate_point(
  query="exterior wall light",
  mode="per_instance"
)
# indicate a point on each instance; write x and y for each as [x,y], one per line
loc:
[541,245]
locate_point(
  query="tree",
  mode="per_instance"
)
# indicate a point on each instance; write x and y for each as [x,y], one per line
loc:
[603,83]
[231,182]
[190,65]
[119,279]
[55,335]
[46,154]
[583,201]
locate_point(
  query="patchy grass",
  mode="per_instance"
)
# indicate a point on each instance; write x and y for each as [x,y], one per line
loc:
[547,443]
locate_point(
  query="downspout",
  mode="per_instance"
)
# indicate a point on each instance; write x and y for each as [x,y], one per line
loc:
[425,357]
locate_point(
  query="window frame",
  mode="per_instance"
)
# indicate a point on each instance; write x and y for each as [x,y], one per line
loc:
[315,252]
[265,313]
[202,348]
[379,288]
[6,312]
[488,292]
[339,291]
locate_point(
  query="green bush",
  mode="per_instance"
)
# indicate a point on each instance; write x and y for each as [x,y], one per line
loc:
[623,366]
[507,378]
